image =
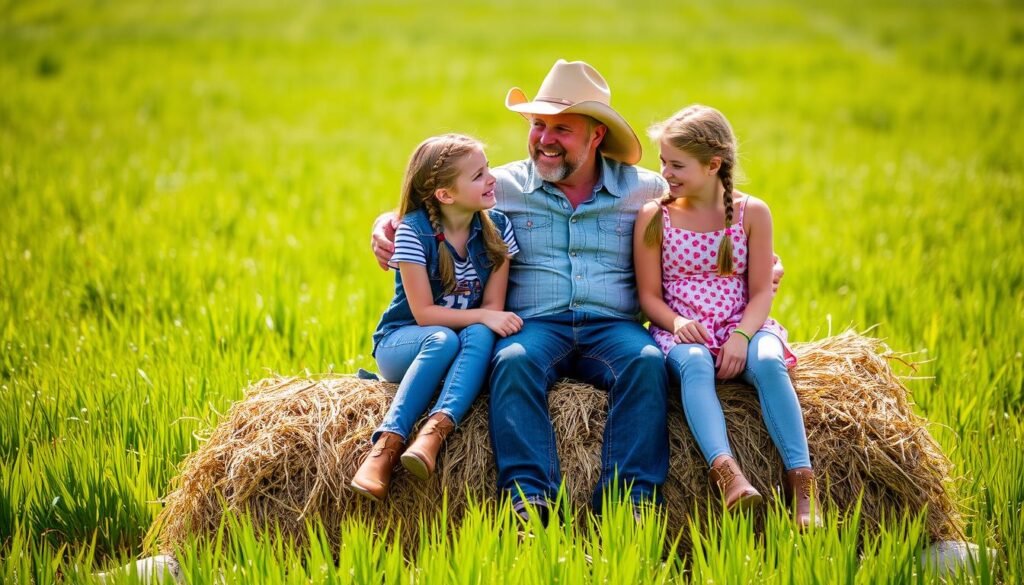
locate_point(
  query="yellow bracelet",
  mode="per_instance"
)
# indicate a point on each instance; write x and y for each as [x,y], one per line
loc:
[743,333]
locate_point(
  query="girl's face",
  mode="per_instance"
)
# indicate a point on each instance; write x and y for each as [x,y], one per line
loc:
[686,175]
[474,186]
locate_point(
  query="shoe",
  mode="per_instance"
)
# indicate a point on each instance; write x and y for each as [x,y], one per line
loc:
[801,490]
[732,485]
[374,475]
[421,456]
[529,507]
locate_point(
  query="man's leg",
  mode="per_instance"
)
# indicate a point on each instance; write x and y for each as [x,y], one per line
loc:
[620,356]
[524,367]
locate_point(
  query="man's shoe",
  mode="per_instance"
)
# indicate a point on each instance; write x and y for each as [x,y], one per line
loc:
[421,456]
[529,507]
[732,485]
[374,475]
[801,490]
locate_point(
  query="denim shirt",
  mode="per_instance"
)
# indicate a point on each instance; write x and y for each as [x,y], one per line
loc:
[574,259]
[399,313]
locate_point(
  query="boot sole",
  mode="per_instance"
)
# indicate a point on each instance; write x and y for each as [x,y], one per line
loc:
[364,492]
[746,503]
[416,466]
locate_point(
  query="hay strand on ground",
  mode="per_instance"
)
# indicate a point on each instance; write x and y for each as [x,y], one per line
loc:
[286,452]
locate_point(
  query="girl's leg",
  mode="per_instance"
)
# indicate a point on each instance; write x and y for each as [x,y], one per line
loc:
[766,371]
[461,386]
[467,373]
[692,366]
[420,358]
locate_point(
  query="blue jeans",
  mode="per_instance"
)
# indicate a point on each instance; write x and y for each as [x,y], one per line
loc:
[614,354]
[421,357]
[693,366]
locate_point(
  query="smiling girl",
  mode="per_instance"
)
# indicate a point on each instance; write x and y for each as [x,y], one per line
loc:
[703,256]
[452,252]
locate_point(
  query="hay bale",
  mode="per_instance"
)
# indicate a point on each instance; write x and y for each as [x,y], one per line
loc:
[286,452]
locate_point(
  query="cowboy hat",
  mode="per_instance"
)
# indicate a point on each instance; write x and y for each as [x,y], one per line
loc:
[577,88]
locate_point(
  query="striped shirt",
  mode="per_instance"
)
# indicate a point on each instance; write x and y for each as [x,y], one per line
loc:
[468,291]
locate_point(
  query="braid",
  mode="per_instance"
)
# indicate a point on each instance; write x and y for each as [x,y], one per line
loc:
[445,262]
[438,165]
[725,248]
[705,134]
[494,243]
[654,233]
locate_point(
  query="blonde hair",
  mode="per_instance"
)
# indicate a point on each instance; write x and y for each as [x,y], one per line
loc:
[703,133]
[433,166]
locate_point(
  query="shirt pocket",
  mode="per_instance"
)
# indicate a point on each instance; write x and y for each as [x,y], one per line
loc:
[615,235]
[533,234]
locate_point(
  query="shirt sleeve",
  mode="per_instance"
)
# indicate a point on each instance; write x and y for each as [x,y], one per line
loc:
[510,239]
[408,247]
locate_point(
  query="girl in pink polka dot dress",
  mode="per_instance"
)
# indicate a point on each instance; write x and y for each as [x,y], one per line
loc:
[703,256]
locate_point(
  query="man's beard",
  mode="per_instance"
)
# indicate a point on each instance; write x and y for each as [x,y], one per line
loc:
[560,172]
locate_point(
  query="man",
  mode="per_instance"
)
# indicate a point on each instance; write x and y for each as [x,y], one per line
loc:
[573,204]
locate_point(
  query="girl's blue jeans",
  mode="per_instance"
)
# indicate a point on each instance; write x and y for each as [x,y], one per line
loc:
[693,366]
[423,357]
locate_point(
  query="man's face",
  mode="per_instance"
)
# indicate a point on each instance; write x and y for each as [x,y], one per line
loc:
[562,143]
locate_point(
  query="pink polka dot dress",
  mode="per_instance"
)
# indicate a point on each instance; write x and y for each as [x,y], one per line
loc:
[692,287]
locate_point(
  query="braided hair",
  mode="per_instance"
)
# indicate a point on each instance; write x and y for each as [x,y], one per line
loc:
[703,132]
[433,166]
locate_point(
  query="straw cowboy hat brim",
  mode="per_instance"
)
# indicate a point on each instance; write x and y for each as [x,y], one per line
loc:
[577,88]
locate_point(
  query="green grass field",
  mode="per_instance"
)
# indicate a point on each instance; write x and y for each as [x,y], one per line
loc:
[187,187]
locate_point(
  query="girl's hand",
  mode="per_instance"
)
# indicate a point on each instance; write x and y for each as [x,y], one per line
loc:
[689,331]
[503,323]
[732,358]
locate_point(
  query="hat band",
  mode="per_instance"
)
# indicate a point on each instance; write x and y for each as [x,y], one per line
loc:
[553,100]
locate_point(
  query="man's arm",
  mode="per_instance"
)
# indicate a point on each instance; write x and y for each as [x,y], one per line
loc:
[382,239]
[777,272]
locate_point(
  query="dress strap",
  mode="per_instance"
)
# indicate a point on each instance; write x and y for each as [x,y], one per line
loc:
[666,217]
[743,208]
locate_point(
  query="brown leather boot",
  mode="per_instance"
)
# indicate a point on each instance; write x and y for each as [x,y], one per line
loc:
[802,492]
[374,475]
[734,487]
[421,456]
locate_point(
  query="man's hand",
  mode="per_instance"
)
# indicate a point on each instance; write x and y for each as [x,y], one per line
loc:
[383,239]
[777,272]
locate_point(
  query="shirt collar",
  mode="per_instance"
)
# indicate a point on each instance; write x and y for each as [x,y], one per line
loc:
[605,180]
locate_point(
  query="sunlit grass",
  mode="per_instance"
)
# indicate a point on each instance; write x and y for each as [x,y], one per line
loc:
[186,190]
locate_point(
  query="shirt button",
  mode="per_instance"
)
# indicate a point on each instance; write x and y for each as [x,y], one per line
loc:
[579,277]
[573,254]
[573,220]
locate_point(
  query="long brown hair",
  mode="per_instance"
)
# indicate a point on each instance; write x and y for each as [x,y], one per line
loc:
[703,133]
[433,166]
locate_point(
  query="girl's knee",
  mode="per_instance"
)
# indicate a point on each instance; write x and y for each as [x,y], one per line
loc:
[765,353]
[476,334]
[443,340]
[691,356]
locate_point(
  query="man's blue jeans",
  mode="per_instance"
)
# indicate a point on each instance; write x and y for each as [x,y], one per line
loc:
[421,357]
[692,366]
[613,354]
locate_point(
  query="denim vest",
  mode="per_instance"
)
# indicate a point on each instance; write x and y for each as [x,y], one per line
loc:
[399,314]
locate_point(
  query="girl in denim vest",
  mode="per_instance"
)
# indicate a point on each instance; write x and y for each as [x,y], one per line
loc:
[452,253]
[705,283]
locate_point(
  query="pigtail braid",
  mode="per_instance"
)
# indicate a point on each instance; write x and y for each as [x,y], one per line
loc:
[494,242]
[725,248]
[445,264]
[655,231]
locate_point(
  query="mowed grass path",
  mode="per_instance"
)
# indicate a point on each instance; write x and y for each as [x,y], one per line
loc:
[186,191]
